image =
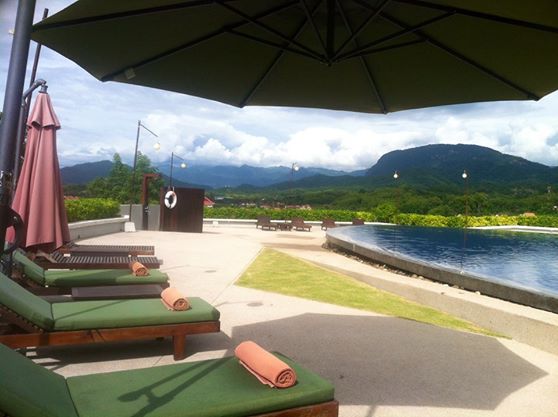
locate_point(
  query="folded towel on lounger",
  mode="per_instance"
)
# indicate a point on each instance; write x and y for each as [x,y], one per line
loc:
[173,299]
[269,369]
[139,269]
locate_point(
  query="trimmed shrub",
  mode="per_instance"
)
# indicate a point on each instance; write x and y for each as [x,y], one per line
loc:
[91,209]
[383,214]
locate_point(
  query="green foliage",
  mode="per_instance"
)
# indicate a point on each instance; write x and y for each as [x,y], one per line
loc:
[286,214]
[91,208]
[437,199]
[117,184]
[543,221]
[383,213]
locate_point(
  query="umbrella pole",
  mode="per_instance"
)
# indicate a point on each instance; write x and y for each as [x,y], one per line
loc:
[25,111]
[12,108]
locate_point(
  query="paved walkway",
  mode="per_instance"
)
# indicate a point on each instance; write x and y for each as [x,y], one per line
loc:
[381,366]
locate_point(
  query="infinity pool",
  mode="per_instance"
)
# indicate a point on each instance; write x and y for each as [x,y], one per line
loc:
[524,260]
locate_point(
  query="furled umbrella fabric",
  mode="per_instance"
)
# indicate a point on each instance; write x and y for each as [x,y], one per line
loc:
[374,56]
[39,198]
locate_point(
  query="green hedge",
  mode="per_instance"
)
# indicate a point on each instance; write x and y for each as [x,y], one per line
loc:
[286,214]
[381,214]
[91,209]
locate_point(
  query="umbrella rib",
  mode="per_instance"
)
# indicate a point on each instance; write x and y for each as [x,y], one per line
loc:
[275,62]
[123,15]
[196,41]
[272,44]
[330,28]
[464,58]
[388,48]
[310,18]
[481,15]
[364,64]
[269,29]
[356,33]
[363,50]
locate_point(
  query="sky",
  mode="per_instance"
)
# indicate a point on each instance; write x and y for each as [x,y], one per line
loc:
[100,119]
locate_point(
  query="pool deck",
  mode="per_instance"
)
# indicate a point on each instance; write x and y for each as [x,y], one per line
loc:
[380,365]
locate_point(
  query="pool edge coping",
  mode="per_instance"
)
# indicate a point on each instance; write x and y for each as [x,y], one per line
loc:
[520,322]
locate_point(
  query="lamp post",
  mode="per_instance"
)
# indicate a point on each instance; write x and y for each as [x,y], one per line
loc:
[157,146]
[182,165]
[145,199]
[396,177]
[465,177]
[294,168]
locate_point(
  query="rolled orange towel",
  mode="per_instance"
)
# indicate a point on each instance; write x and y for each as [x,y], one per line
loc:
[174,299]
[269,369]
[139,269]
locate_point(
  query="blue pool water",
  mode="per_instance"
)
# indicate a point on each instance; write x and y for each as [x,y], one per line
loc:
[527,260]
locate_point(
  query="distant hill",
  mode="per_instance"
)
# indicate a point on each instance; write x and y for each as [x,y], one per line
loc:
[425,166]
[84,173]
[449,161]
[434,166]
[222,176]
[206,176]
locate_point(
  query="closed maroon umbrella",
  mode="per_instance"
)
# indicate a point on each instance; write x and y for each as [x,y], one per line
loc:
[39,198]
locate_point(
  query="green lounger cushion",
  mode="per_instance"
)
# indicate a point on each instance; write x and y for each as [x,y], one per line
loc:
[94,277]
[27,305]
[84,277]
[95,314]
[213,388]
[30,268]
[29,390]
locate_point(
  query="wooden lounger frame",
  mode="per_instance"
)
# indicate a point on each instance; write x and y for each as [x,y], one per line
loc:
[298,224]
[268,226]
[327,409]
[36,336]
[131,250]
[41,290]
[58,260]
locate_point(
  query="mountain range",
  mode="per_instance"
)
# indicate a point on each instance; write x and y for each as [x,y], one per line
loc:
[428,165]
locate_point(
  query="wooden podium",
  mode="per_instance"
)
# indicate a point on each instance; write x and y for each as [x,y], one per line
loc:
[187,213]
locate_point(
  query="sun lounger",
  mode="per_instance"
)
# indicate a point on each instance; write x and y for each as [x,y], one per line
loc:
[122,250]
[34,275]
[328,224]
[210,388]
[37,322]
[57,260]
[263,220]
[284,226]
[358,222]
[268,226]
[298,224]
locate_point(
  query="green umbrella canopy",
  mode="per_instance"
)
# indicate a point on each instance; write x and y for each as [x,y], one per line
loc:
[374,56]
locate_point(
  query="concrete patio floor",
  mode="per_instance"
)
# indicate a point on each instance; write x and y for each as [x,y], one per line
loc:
[380,365]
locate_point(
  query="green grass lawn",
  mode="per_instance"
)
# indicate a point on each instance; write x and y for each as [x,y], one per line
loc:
[277,272]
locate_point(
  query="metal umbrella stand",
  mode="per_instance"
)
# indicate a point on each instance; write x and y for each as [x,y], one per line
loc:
[11,112]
